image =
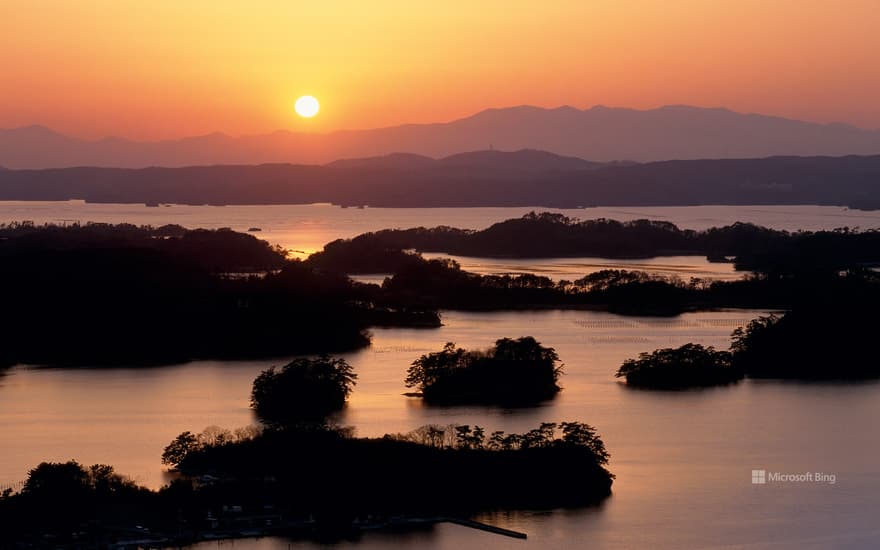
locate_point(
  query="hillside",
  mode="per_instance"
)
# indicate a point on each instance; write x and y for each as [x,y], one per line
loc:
[600,134]
[488,178]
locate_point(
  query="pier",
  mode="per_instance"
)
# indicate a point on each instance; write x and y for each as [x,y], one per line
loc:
[486,527]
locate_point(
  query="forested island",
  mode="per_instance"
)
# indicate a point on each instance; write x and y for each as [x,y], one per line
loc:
[552,235]
[824,342]
[304,390]
[831,341]
[442,284]
[782,270]
[318,482]
[512,372]
[688,366]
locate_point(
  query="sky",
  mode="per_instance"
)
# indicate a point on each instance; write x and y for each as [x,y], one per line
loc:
[171,68]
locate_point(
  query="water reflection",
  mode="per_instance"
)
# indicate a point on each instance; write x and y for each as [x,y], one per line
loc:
[683,460]
[557,269]
[126,416]
[304,229]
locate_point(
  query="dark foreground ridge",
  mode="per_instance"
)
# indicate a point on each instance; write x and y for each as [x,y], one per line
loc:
[312,482]
[482,178]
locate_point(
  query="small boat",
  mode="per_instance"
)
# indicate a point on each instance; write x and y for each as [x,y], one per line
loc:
[254,229]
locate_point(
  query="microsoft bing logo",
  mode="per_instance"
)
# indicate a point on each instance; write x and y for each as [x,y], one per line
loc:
[763,477]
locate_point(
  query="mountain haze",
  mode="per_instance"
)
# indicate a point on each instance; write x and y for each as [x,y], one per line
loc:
[600,134]
[482,178]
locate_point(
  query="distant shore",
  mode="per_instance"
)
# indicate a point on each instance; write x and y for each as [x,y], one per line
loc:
[479,178]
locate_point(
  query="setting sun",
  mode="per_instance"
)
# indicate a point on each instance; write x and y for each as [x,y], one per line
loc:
[464,243]
[307,106]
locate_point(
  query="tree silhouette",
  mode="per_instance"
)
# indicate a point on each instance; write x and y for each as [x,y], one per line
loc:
[584,435]
[513,372]
[181,446]
[304,390]
[690,365]
[833,338]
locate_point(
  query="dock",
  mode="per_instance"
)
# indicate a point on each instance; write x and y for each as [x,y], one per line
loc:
[486,527]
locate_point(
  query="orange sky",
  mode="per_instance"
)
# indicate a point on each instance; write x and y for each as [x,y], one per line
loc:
[159,69]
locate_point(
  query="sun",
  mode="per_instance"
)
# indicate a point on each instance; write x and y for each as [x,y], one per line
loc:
[307,106]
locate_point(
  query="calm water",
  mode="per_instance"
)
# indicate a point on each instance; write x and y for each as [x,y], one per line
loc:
[571,269]
[683,267]
[304,229]
[683,460]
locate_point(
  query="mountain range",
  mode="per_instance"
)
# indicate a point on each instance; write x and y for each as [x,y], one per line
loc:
[481,178]
[601,134]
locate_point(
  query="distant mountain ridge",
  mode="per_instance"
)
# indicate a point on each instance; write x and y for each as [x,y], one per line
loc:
[473,163]
[481,178]
[599,134]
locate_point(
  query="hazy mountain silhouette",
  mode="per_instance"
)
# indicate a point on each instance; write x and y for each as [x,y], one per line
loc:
[471,164]
[393,161]
[599,134]
[484,178]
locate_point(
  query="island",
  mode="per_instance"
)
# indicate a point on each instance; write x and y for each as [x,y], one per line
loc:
[313,482]
[304,390]
[781,270]
[689,366]
[554,235]
[513,372]
[827,341]
[824,341]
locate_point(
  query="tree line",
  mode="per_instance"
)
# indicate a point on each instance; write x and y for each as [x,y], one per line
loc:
[813,344]
[550,235]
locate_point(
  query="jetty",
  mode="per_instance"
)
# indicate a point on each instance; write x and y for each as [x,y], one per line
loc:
[473,524]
